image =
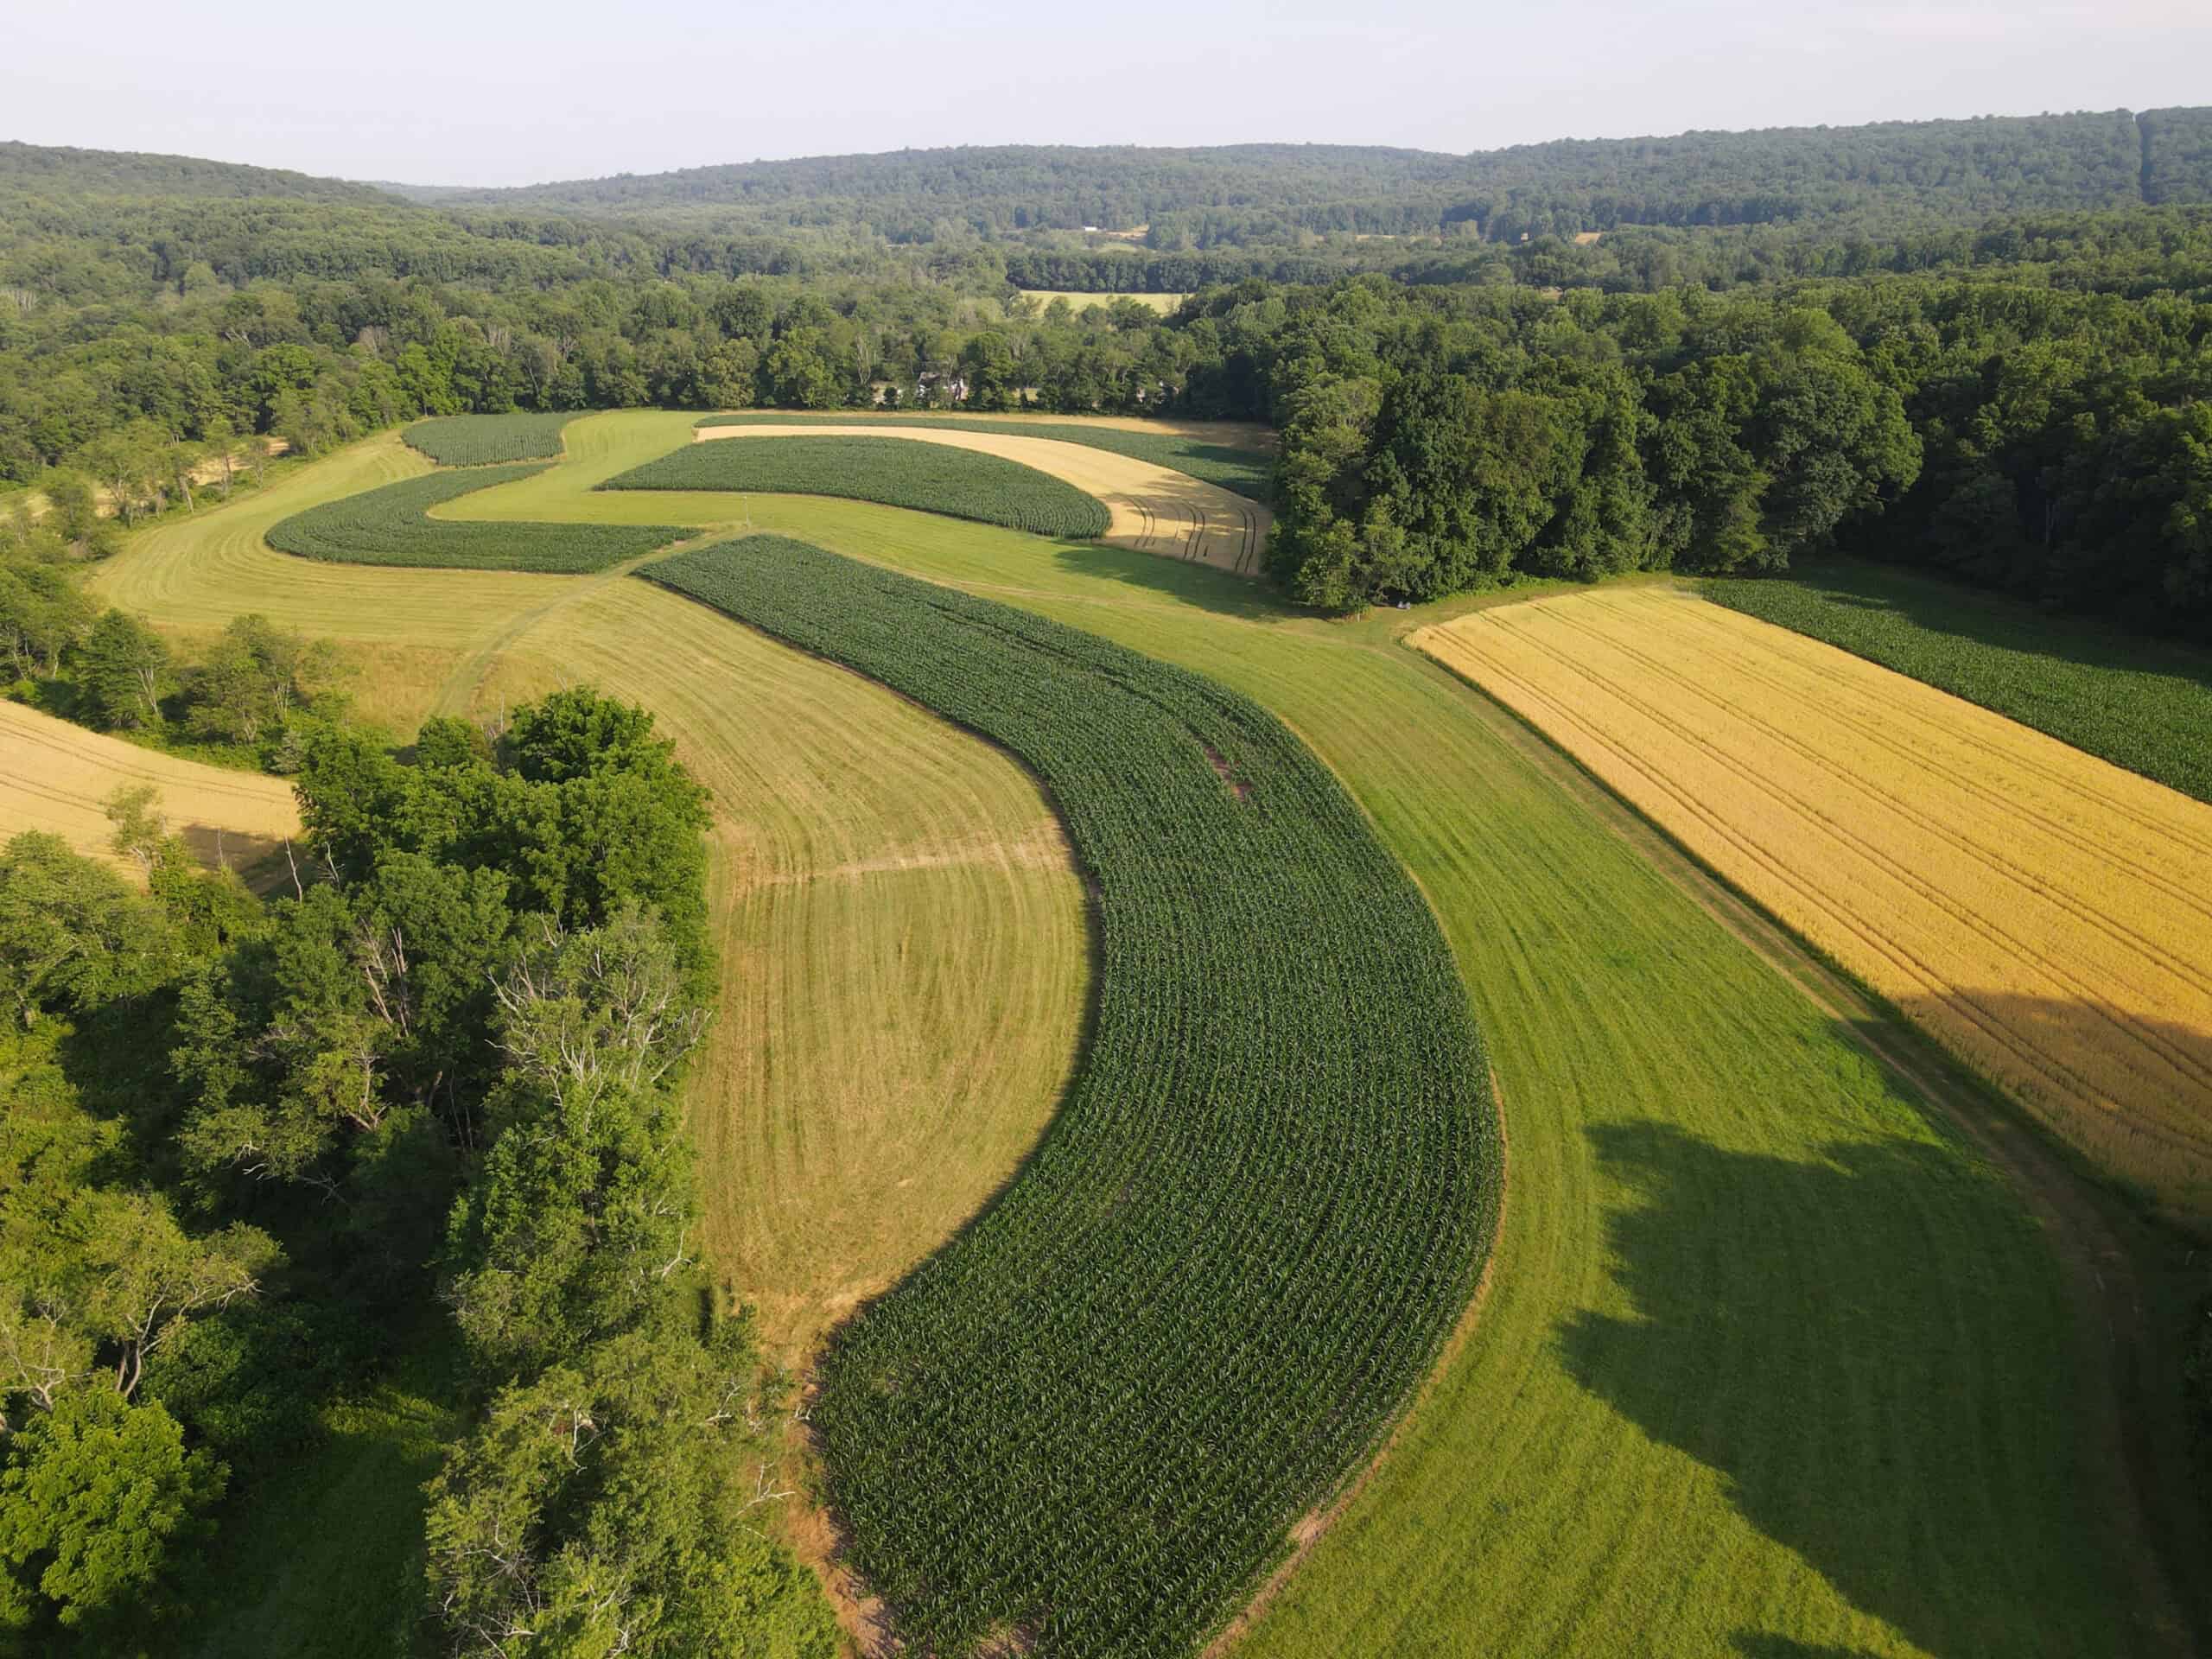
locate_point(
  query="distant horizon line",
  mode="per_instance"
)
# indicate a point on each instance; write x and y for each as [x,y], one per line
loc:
[390,184]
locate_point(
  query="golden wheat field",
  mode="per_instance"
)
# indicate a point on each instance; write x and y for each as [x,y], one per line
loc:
[2044,914]
[58,777]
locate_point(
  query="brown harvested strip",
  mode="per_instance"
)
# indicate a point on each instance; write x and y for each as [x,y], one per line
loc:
[1824,693]
[2013,810]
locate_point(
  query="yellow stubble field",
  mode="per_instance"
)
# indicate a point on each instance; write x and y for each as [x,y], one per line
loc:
[58,778]
[2046,915]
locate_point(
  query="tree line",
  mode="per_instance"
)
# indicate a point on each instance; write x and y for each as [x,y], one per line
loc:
[251,1141]
[2053,444]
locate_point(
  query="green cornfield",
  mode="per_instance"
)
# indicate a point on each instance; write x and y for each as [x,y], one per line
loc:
[482,440]
[390,525]
[1235,467]
[927,477]
[1089,1422]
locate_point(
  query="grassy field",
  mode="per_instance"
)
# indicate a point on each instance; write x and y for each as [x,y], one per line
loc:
[1239,458]
[480,440]
[57,776]
[2137,703]
[926,477]
[1768,1365]
[1761,1343]
[2039,910]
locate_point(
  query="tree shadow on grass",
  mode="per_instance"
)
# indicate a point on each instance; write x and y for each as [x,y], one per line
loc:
[1872,1349]
[1207,587]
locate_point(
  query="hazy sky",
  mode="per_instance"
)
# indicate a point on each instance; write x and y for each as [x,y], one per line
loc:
[510,94]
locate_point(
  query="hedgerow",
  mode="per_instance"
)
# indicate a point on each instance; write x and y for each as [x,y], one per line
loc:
[928,477]
[390,525]
[1090,1420]
[481,440]
[2139,703]
[1242,471]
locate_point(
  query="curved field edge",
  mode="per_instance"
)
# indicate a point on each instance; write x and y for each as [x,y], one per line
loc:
[1242,468]
[923,477]
[1094,1416]
[2143,704]
[391,526]
[483,440]
[57,778]
[1761,1342]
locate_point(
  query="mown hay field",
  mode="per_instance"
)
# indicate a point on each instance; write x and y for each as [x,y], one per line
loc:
[2043,913]
[904,969]
[58,777]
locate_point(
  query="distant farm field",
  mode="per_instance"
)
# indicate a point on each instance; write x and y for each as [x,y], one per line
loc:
[393,526]
[1162,303]
[1240,459]
[2043,914]
[1151,507]
[482,440]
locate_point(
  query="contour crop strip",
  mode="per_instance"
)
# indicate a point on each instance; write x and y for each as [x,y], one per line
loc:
[898,473]
[1089,1421]
[391,526]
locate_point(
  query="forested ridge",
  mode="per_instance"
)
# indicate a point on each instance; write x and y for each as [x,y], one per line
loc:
[1244,193]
